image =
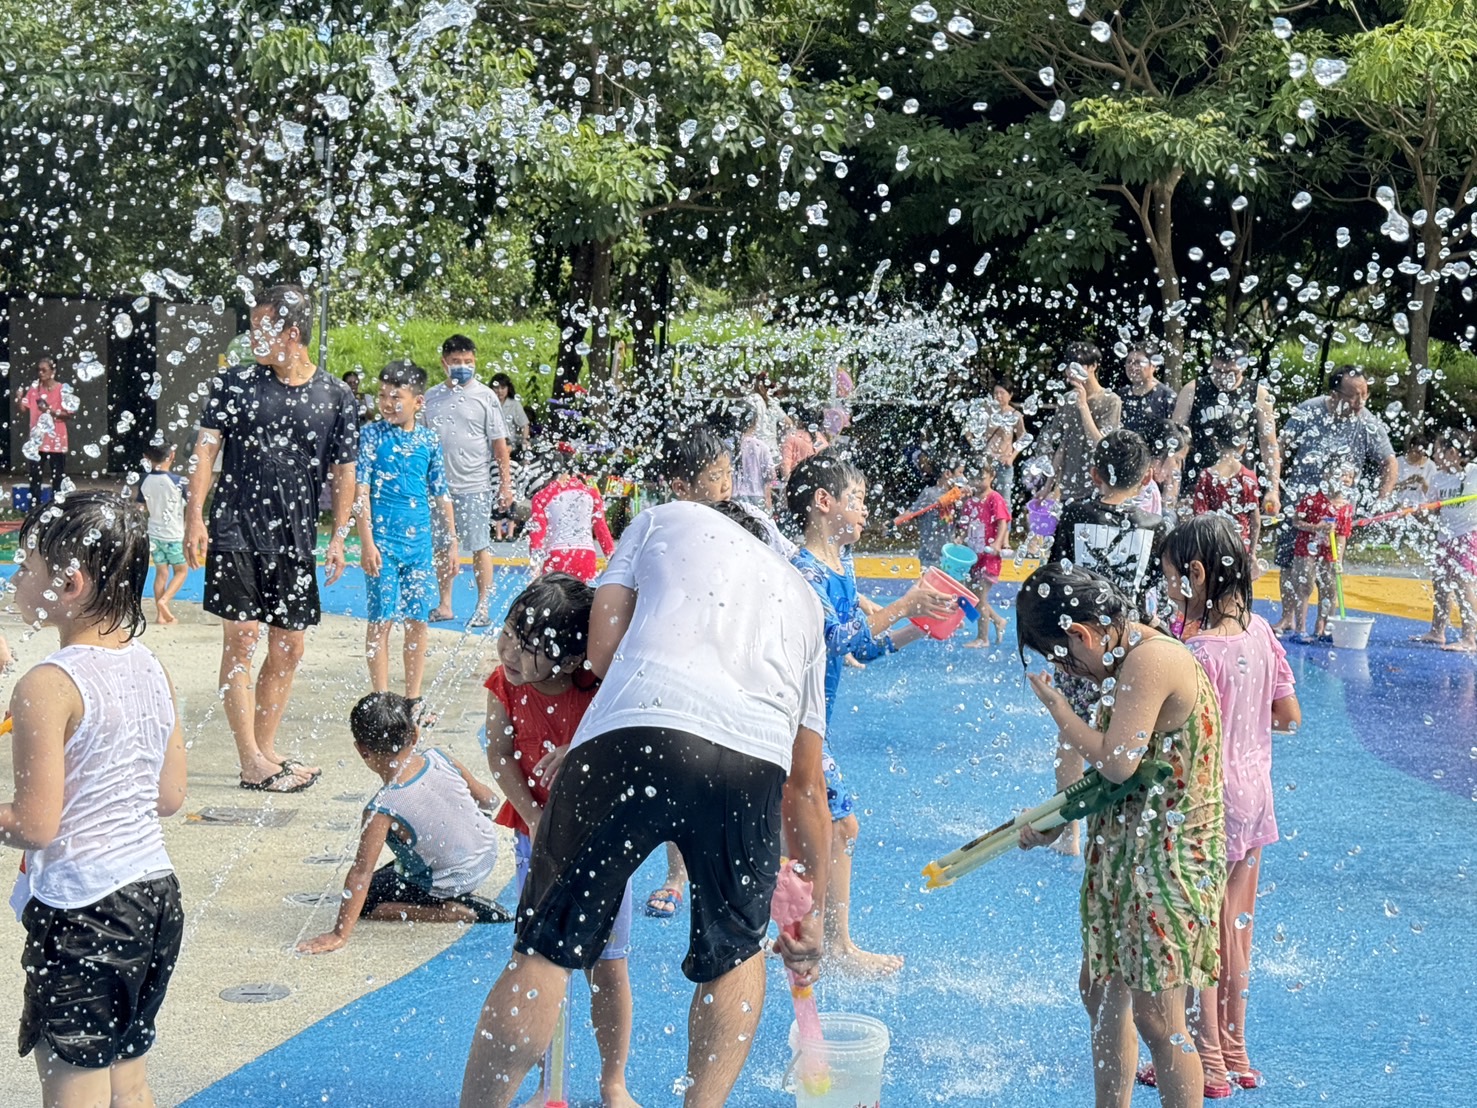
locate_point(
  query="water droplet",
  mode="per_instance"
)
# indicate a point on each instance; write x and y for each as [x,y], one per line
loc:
[1075,8]
[924,13]
[1301,201]
[1058,111]
[961,26]
[1101,31]
[1282,27]
[1047,75]
[1329,71]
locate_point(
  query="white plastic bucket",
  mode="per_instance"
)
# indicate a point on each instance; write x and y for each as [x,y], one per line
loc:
[1350,632]
[853,1053]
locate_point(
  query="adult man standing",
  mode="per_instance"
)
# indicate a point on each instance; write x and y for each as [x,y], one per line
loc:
[1146,399]
[1086,414]
[281,426]
[1225,393]
[1321,431]
[707,733]
[50,404]
[466,414]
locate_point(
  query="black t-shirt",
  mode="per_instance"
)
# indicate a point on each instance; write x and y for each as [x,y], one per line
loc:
[1121,541]
[280,443]
[1141,412]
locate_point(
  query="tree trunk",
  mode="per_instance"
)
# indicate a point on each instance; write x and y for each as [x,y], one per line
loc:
[572,317]
[1418,348]
[1161,245]
[601,265]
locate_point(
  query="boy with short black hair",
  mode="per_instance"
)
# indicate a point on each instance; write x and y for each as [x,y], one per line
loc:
[163,493]
[829,495]
[936,525]
[432,814]
[400,471]
[1087,413]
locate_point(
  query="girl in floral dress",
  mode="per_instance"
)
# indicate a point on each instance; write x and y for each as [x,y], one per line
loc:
[1156,860]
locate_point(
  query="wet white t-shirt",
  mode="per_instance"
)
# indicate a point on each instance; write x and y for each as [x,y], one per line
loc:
[727,641]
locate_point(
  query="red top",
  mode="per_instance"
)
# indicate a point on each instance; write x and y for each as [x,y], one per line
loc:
[1238,497]
[1319,509]
[567,514]
[53,401]
[541,723]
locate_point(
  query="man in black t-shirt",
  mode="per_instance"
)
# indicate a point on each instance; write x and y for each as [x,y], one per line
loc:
[1146,399]
[281,427]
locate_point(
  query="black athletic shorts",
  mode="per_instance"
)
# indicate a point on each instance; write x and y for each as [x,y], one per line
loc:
[388,886]
[96,976]
[620,796]
[250,586]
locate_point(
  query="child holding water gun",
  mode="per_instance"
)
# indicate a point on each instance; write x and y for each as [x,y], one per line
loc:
[933,510]
[566,526]
[99,759]
[829,495]
[1319,516]
[1209,575]
[536,698]
[1155,860]
[1228,486]
[1455,572]
[986,520]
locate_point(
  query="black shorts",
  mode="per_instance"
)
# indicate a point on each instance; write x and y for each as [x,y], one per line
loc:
[280,590]
[620,796]
[388,886]
[96,976]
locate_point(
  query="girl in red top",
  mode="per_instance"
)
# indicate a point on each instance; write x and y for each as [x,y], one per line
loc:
[1229,487]
[1319,516]
[986,520]
[567,523]
[536,698]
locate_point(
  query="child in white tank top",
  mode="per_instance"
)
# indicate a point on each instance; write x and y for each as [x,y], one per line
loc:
[99,758]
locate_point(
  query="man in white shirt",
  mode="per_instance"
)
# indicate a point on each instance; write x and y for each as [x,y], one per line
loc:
[706,732]
[467,416]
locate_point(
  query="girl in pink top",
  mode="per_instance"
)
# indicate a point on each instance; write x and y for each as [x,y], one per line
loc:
[566,526]
[1209,574]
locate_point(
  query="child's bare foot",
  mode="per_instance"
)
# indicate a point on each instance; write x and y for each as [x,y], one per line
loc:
[617,1096]
[975,644]
[1462,646]
[1069,842]
[1436,638]
[853,961]
[166,615]
[854,664]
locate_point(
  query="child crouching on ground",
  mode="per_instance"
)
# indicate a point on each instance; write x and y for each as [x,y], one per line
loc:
[431,813]
[829,495]
[535,700]
[99,758]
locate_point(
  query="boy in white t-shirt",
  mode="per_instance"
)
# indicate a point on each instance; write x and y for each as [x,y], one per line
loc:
[163,492]
[99,759]
[706,732]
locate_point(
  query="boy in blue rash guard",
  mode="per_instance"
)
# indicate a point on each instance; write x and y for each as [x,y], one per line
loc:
[400,471]
[828,494]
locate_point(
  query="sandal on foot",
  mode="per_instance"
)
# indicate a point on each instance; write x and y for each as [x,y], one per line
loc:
[1145,1077]
[294,764]
[1250,1079]
[270,784]
[663,903]
[1218,1092]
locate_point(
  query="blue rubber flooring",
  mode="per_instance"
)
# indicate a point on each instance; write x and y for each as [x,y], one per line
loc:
[1363,974]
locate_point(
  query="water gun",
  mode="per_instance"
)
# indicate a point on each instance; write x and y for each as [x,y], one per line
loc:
[1428,506]
[942,504]
[792,901]
[1092,794]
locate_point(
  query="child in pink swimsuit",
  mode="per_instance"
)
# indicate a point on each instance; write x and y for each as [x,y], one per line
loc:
[1209,574]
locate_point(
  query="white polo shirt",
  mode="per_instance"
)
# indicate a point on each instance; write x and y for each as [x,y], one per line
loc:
[727,641]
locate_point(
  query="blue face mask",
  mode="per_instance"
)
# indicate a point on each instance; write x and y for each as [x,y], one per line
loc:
[461,374]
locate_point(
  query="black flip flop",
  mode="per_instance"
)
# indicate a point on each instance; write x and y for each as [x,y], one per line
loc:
[265,785]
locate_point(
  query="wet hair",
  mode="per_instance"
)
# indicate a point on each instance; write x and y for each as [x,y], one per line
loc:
[1229,350]
[404,375]
[1007,382]
[1058,595]
[105,536]
[1164,437]
[743,517]
[1213,540]
[383,723]
[1121,459]
[157,453]
[506,382]
[825,470]
[552,616]
[686,453]
[458,344]
[1341,373]
[1225,435]
[1083,353]
[291,308]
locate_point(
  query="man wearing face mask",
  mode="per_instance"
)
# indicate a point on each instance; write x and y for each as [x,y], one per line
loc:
[465,414]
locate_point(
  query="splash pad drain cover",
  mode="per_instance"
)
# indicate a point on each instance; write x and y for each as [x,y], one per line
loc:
[257,993]
[258,817]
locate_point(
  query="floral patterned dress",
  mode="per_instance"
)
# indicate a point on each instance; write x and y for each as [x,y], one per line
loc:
[1156,865]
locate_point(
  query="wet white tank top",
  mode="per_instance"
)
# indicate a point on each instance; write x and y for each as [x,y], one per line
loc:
[110,833]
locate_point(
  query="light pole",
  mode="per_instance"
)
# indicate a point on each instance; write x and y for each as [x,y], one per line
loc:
[323,155]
